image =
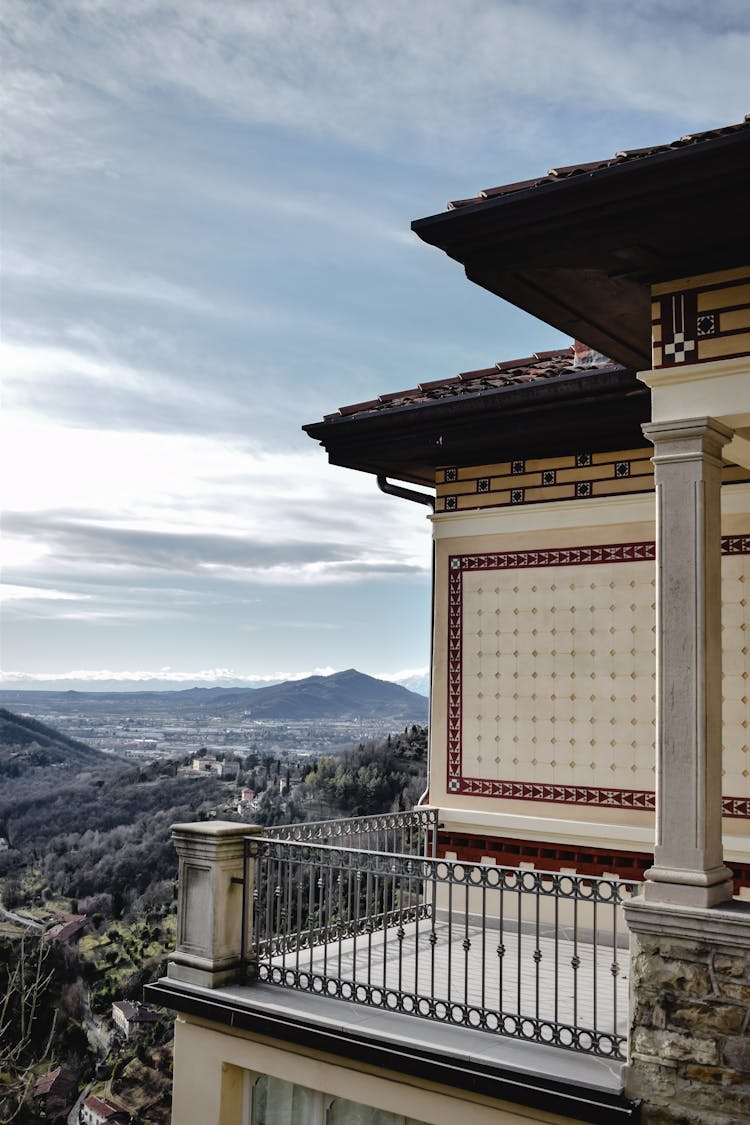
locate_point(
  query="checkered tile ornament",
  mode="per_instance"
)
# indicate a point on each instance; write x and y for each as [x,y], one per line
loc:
[678,349]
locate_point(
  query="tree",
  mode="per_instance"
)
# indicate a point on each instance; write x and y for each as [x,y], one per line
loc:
[26,1031]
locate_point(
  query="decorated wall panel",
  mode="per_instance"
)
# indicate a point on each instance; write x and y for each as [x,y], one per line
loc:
[551,675]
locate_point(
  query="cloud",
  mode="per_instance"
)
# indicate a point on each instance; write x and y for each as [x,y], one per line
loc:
[156,679]
[10,592]
[370,74]
[146,527]
[92,279]
[138,554]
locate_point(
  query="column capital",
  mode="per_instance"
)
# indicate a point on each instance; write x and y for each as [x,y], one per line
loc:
[687,436]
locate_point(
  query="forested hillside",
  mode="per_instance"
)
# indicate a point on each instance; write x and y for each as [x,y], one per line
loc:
[370,778]
[90,835]
[26,744]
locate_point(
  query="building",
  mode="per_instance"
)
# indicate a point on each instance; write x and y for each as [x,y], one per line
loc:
[208,764]
[542,703]
[591,517]
[55,1094]
[130,1017]
[68,927]
[102,1111]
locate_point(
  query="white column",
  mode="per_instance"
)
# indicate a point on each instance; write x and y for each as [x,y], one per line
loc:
[688,865]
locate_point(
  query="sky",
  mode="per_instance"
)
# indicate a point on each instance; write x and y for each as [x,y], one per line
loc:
[206,209]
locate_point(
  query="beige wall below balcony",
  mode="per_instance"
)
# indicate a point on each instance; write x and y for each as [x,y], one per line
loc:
[213,1067]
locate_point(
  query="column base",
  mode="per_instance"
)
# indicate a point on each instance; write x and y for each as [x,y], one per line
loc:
[688,888]
[202,971]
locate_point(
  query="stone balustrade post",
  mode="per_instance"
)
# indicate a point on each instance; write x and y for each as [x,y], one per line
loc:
[209,902]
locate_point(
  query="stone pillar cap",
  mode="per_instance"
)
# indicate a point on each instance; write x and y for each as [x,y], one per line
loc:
[216,829]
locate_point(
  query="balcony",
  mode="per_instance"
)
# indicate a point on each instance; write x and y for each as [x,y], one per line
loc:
[354,937]
[362,911]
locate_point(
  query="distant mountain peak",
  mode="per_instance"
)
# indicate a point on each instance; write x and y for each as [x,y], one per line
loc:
[340,695]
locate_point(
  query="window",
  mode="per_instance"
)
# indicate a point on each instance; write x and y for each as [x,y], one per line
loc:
[276,1102]
[343,1112]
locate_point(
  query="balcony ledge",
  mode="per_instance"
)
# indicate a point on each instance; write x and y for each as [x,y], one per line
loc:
[581,1087]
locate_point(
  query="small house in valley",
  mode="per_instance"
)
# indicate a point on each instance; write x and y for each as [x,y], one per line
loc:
[130,1017]
[103,1111]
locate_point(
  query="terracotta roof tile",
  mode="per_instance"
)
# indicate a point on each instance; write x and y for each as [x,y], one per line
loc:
[558,175]
[540,367]
[104,1106]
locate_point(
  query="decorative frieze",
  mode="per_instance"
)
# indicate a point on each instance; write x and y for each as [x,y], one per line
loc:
[579,476]
[525,481]
[701,319]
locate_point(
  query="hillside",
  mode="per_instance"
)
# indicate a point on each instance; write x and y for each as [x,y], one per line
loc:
[27,744]
[343,695]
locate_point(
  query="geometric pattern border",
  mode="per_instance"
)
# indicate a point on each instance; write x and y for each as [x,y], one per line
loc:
[535,791]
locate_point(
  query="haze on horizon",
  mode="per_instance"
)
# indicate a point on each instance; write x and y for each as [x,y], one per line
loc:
[207,245]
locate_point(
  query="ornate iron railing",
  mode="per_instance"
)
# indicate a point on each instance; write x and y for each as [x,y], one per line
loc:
[535,955]
[404,833]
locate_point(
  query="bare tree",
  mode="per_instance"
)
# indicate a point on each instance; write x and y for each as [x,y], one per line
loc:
[21,1010]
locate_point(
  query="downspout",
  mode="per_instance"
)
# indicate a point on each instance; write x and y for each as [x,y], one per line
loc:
[419,498]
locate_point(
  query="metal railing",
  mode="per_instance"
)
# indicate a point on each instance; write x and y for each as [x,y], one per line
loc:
[404,833]
[533,955]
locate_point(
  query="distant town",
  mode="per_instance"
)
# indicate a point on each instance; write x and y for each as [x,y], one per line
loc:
[319,715]
[145,738]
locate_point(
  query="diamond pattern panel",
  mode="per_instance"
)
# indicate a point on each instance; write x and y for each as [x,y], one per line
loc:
[552,675]
[558,675]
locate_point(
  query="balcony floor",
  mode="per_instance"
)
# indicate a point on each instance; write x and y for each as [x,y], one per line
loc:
[477,977]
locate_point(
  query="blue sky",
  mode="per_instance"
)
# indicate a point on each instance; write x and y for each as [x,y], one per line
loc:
[206,244]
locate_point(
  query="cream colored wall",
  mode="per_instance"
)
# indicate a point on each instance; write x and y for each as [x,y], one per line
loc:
[613,636]
[212,1062]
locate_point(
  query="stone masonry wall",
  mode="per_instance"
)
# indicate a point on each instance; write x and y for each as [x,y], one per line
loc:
[690,1037]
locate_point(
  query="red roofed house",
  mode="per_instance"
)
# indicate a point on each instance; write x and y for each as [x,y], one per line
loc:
[589,773]
[69,927]
[54,1093]
[102,1111]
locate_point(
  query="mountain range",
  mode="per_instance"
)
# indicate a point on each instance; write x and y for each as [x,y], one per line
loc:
[342,695]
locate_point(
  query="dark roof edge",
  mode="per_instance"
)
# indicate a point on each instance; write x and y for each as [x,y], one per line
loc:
[524,396]
[617,174]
